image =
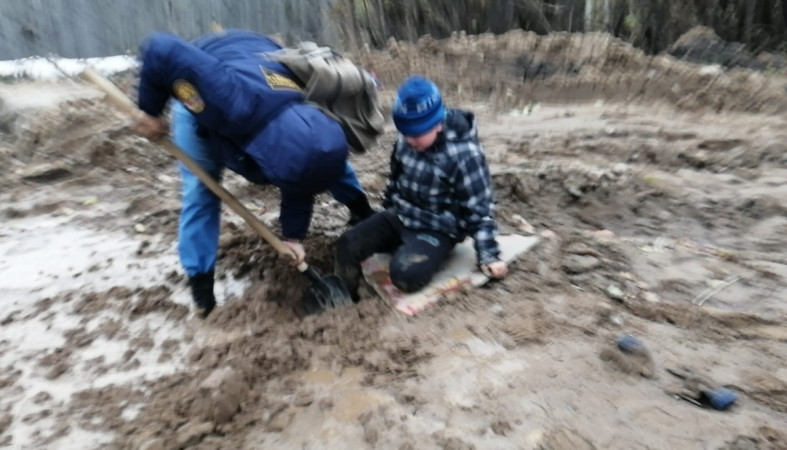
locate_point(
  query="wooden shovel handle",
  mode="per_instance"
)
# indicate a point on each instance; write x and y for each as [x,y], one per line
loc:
[121,100]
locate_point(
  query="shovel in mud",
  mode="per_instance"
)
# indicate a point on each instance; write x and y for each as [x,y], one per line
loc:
[323,293]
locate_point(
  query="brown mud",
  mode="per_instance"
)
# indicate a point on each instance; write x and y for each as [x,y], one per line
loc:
[658,188]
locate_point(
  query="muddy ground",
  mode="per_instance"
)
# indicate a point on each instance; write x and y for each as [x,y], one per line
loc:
[659,189]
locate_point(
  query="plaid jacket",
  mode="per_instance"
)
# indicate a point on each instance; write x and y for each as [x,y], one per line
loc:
[446,188]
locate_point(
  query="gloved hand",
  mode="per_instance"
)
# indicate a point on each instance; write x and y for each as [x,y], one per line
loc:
[202,293]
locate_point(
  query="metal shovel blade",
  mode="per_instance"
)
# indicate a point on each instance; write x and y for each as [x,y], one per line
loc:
[325,293]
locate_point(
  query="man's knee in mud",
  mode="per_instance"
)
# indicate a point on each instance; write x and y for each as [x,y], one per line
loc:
[409,273]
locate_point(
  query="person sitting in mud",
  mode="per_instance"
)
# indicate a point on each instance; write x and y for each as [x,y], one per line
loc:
[237,109]
[438,193]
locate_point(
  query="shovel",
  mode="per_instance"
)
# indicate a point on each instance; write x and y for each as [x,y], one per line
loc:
[323,293]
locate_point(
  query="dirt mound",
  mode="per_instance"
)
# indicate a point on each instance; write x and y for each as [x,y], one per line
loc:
[520,68]
[765,438]
[702,45]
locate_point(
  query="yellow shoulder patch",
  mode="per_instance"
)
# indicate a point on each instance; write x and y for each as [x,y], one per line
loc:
[278,81]
[189,96]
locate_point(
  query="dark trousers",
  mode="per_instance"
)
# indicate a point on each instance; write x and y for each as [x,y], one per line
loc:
[417,254]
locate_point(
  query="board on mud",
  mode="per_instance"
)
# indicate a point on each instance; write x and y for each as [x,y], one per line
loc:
[459,272]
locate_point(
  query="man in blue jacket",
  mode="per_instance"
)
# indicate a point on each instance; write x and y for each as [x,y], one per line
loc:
[241,110]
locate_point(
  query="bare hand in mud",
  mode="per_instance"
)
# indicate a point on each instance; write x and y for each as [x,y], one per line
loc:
[297,250]
[153,128]
[497,269]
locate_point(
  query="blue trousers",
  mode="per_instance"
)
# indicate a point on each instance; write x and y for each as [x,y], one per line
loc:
[198,230]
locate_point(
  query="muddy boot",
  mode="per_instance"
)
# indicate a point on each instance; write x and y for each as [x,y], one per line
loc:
[359,210]
[202,293]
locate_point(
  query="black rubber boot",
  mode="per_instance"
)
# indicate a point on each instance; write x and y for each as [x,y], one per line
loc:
[202,293]
[359,210]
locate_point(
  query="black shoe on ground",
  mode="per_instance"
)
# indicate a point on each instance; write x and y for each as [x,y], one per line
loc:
[202,293]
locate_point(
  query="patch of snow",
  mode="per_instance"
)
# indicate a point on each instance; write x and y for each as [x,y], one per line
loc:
[52,68]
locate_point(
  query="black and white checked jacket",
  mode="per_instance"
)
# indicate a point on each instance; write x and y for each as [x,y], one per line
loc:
[446,188]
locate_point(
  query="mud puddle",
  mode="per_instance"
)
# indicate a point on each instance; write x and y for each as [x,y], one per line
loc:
[67,328]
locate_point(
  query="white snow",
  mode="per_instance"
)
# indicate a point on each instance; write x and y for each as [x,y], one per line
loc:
[51,68]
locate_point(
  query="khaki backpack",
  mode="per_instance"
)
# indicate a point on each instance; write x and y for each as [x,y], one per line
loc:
[341,89]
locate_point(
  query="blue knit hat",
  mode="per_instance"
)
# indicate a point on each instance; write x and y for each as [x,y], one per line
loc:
[418,107]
